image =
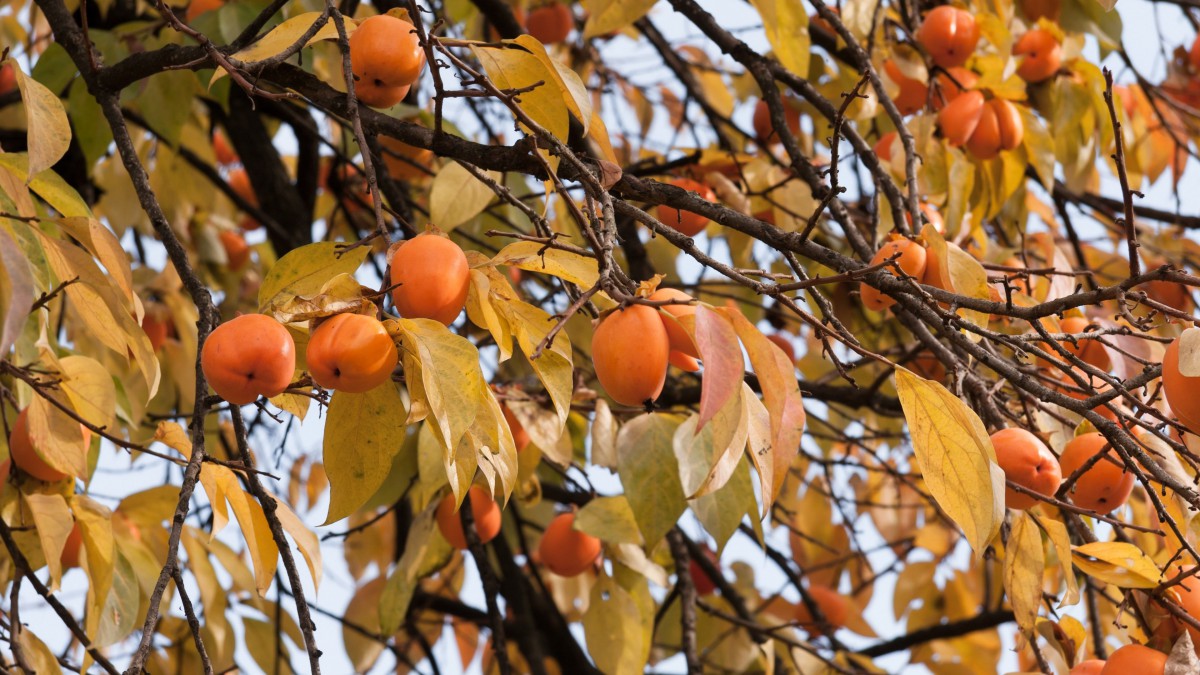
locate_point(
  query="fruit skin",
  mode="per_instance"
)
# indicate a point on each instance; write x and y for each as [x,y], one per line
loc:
[784,344]
[912,261]
[551,23]
[688,364]
[630,349]
[1089,351]
[379,96]
[1089,667]
[566,551]
[1187,595]
[485,510]
[223,150]
[351,353]
[999,128]
[434,278]
[198,7]
[700,579]
[237,251]
[1180,389]
[1103,487]
[913,93]
[1027,462]
[1194,54]
[948,35]
[22,453]
[250,356]
[961,116]
[764,130]
[239,181]
[8,79]
[72,549]
[883,147]
[158,329]
[686,222]
[400,169]
[1036,9]
[951,84]
[831,603]
[1135,660]
[677,337]
[1042,55]
[520,436]
[386,52]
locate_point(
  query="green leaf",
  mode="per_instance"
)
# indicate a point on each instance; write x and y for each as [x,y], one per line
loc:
[613,629]
[48,133]
[306,270]
[120,613]
[606,16]
[786,25]
[363,432]
[956,458]
[609,519]
[650,474]
[457,196]
[1024,563]
[722,511]
[424,552]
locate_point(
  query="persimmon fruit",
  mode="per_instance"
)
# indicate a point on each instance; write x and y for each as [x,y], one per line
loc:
[948,35]
[764,129]
[688,364]
[157,325]
[26,457]
[1106,485]
[237,251]
[1089,667]
[8,79]
[566,551]
[404,161]
[884,147]
[1027,462]
[677,337]
[385,53]
[222,149]
[550,23]
[1181,389]
[630,350]
[432,278]
[351,353]
[1187,595]
[913,93]
[485,511]
[197,7]
[1090,351]
[72,548]
[687,222]
[833,606]
[250,356]
[1040,53]
[1037,9]
[520,435]
[951,84]
[911,259]
[784,344]
[704,584]
[1135,660]
[999,128]
[959,118]
[379,96]
[239,181]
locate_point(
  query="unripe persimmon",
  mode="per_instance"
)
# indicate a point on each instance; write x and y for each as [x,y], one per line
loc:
[1036,9]
[520,436]
[1135,660]
[630,349]
[959,118]
[404,161]
[566,551]
[833,606]
[1041,55]
[1027,462]
[72,548]
[951,84]
[197,7]
[351,353]
[678,338]
[764,130]
[250,356]
[1181,389]
[911,259]
[999,128]
[386,52]
[433,277]
[949,35]
[485,511]
[1089,667]
[913,93]
[550,23]
[1106,484]
[237,251]
[26,457]
[686,222]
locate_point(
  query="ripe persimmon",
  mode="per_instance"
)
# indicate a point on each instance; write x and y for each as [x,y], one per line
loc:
[23,454]
[688,364]
[700,579]
[910,257]
[630,349]
[237,251]
[404,161]
[833,606]
[1135,660]
[1170,293]
[379,96]
[887,145]
[913,93]
[949,35]
[1036,9]
[1187,595]
[686,222]
[250,356]
[1106,484]
[551,23]
[520,436]
[485,511]
[784,344]
[1180,389]
[1089,667]
[432,278]
[959,118]
[385,52]
[566,551]
[678,338]
[764,130]
[1027,462]
[197,7]
[1041,55]
[951,83]
[1194,54]
[999,128]
[222,149]
[239,181]
[351,353]
[1089,351]
[72,548]
[8,79]
[157,325]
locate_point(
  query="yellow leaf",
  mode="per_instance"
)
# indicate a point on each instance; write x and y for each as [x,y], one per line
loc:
[650,474]
[16,290]
[52,518]
[263,551]
[90,388]
[41,659]
[554,366]
[458,196]
[57,438]
[534,257]
[574,92]
[306,270]
[786,25]
[609,519]
[606,16]
[955,455]
[1061,540]
[1023,565]
[424,552]
[613,629]
[339,295]
[286,34]
[306,540]
[99,559]
[1118,563]
[362,434]
[48,185]
[518,69]
[48,133]
[119,615]
[363,612]
[1189,352]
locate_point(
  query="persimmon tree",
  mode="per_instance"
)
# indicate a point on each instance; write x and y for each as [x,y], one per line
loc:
[597,337]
